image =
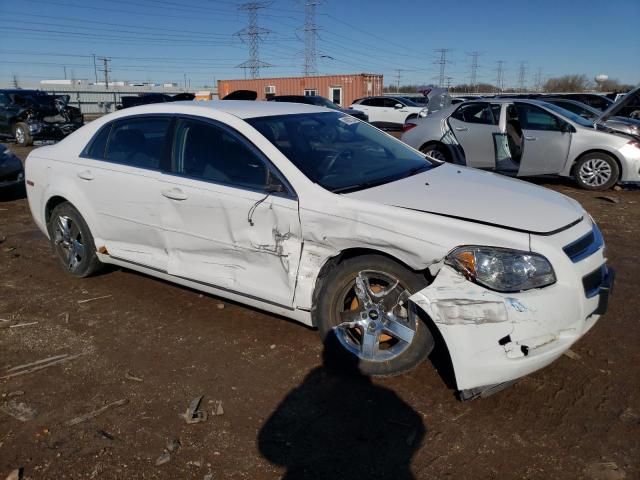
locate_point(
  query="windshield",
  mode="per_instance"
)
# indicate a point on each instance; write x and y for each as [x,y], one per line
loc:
[323,102]
[339,152]
[416,101]
[570,115]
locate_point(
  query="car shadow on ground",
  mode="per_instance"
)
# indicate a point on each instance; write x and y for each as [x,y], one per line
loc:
[338,424]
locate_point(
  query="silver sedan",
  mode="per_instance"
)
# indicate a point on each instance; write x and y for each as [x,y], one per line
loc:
[523,138]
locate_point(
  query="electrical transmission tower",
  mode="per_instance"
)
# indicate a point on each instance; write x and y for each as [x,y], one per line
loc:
[14,81]
[310,34]
[538,80]
[252,36]
[474,70]
[443,64]
[398,77]
[500,75]
[522,76]
[105,70]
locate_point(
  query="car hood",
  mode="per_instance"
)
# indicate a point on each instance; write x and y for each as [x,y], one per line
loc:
[479,197]
[632,97]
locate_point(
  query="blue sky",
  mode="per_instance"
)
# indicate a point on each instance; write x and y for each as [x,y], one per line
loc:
[162,40]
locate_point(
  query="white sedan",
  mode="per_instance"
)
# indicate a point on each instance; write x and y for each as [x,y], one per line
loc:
[319,217]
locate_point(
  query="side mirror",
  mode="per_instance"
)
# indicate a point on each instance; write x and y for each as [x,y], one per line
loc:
[567,128]
[398,106]
[273,184]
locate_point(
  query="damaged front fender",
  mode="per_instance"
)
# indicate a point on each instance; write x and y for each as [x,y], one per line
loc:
[495,337]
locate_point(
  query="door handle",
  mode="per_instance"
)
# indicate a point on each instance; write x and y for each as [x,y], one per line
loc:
[531,139]
[86,175]
[462,129]
[175,194]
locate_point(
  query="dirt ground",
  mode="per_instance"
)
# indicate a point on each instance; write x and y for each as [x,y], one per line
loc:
[157,346]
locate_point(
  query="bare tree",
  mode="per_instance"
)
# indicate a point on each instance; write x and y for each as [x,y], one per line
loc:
[568,83]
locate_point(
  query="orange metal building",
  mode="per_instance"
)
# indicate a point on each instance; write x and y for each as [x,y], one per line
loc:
[341,89]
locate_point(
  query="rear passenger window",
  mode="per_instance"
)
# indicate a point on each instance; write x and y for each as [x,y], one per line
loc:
[475,113]
[204,151]
[138,142]
[98,144]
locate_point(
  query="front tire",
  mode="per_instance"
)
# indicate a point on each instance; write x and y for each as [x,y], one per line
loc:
[363,302]
[22,134]
[597,171]
[72,241]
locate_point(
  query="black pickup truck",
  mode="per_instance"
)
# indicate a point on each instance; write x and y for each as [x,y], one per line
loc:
[28,115]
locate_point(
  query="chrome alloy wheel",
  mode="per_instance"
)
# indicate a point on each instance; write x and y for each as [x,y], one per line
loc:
[595,172]
[375,324]
[68,242]
[20,136]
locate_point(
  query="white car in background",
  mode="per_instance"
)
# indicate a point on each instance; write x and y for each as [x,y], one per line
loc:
[360,235]
[389,112]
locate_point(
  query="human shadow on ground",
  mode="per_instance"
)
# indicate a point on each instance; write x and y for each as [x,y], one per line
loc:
[339,425]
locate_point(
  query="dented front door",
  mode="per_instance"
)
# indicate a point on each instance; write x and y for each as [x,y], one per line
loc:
[222,228]
[229,238]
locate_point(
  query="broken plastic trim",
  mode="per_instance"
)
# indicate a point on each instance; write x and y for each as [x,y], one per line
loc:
[483,392]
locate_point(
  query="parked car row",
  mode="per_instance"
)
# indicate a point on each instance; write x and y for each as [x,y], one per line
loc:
[524,137]
[312,214]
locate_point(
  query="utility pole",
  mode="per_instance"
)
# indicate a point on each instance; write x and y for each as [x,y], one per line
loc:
[95,69]
[252,36]
[310,29]
[500,75]
[15,81]
[443,63]
[522,73]
[105,69]
[185,81]
[474,70]
[65,72]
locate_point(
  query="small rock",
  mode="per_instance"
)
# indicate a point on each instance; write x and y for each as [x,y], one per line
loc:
[195,463]
[629,416]
[174,445]
[572,355]
[218,410]
[272,347]
[604,471]
[162,459]
[617,188]
[208,476]
[19,410]
[220,306]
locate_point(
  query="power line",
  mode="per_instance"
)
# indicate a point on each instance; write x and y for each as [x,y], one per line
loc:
[252,35]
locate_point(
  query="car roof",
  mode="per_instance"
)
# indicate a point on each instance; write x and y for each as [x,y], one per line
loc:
[238,108]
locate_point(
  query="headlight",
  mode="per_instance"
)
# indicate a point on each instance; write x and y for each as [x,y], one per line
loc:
[423,112]
[502,269]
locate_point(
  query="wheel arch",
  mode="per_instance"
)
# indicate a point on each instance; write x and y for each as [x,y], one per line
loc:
[52,203]
[595,150]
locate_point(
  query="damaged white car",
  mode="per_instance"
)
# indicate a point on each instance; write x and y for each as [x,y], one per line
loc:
[319,217]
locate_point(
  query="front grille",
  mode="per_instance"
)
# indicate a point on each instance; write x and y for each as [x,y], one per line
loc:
[593,281]
[585,246]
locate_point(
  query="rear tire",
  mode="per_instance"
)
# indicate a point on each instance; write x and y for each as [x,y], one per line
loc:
[22,134]
[596,171]
[382,338]
[72,241]
[437,151]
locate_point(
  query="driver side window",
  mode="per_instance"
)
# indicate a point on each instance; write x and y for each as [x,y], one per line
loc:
[535,118]
[208,152]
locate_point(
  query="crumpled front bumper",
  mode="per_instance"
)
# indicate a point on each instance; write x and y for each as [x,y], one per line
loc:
[494,338]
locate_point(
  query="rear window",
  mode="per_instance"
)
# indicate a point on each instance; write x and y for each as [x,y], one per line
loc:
[139,142]
[97,146]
